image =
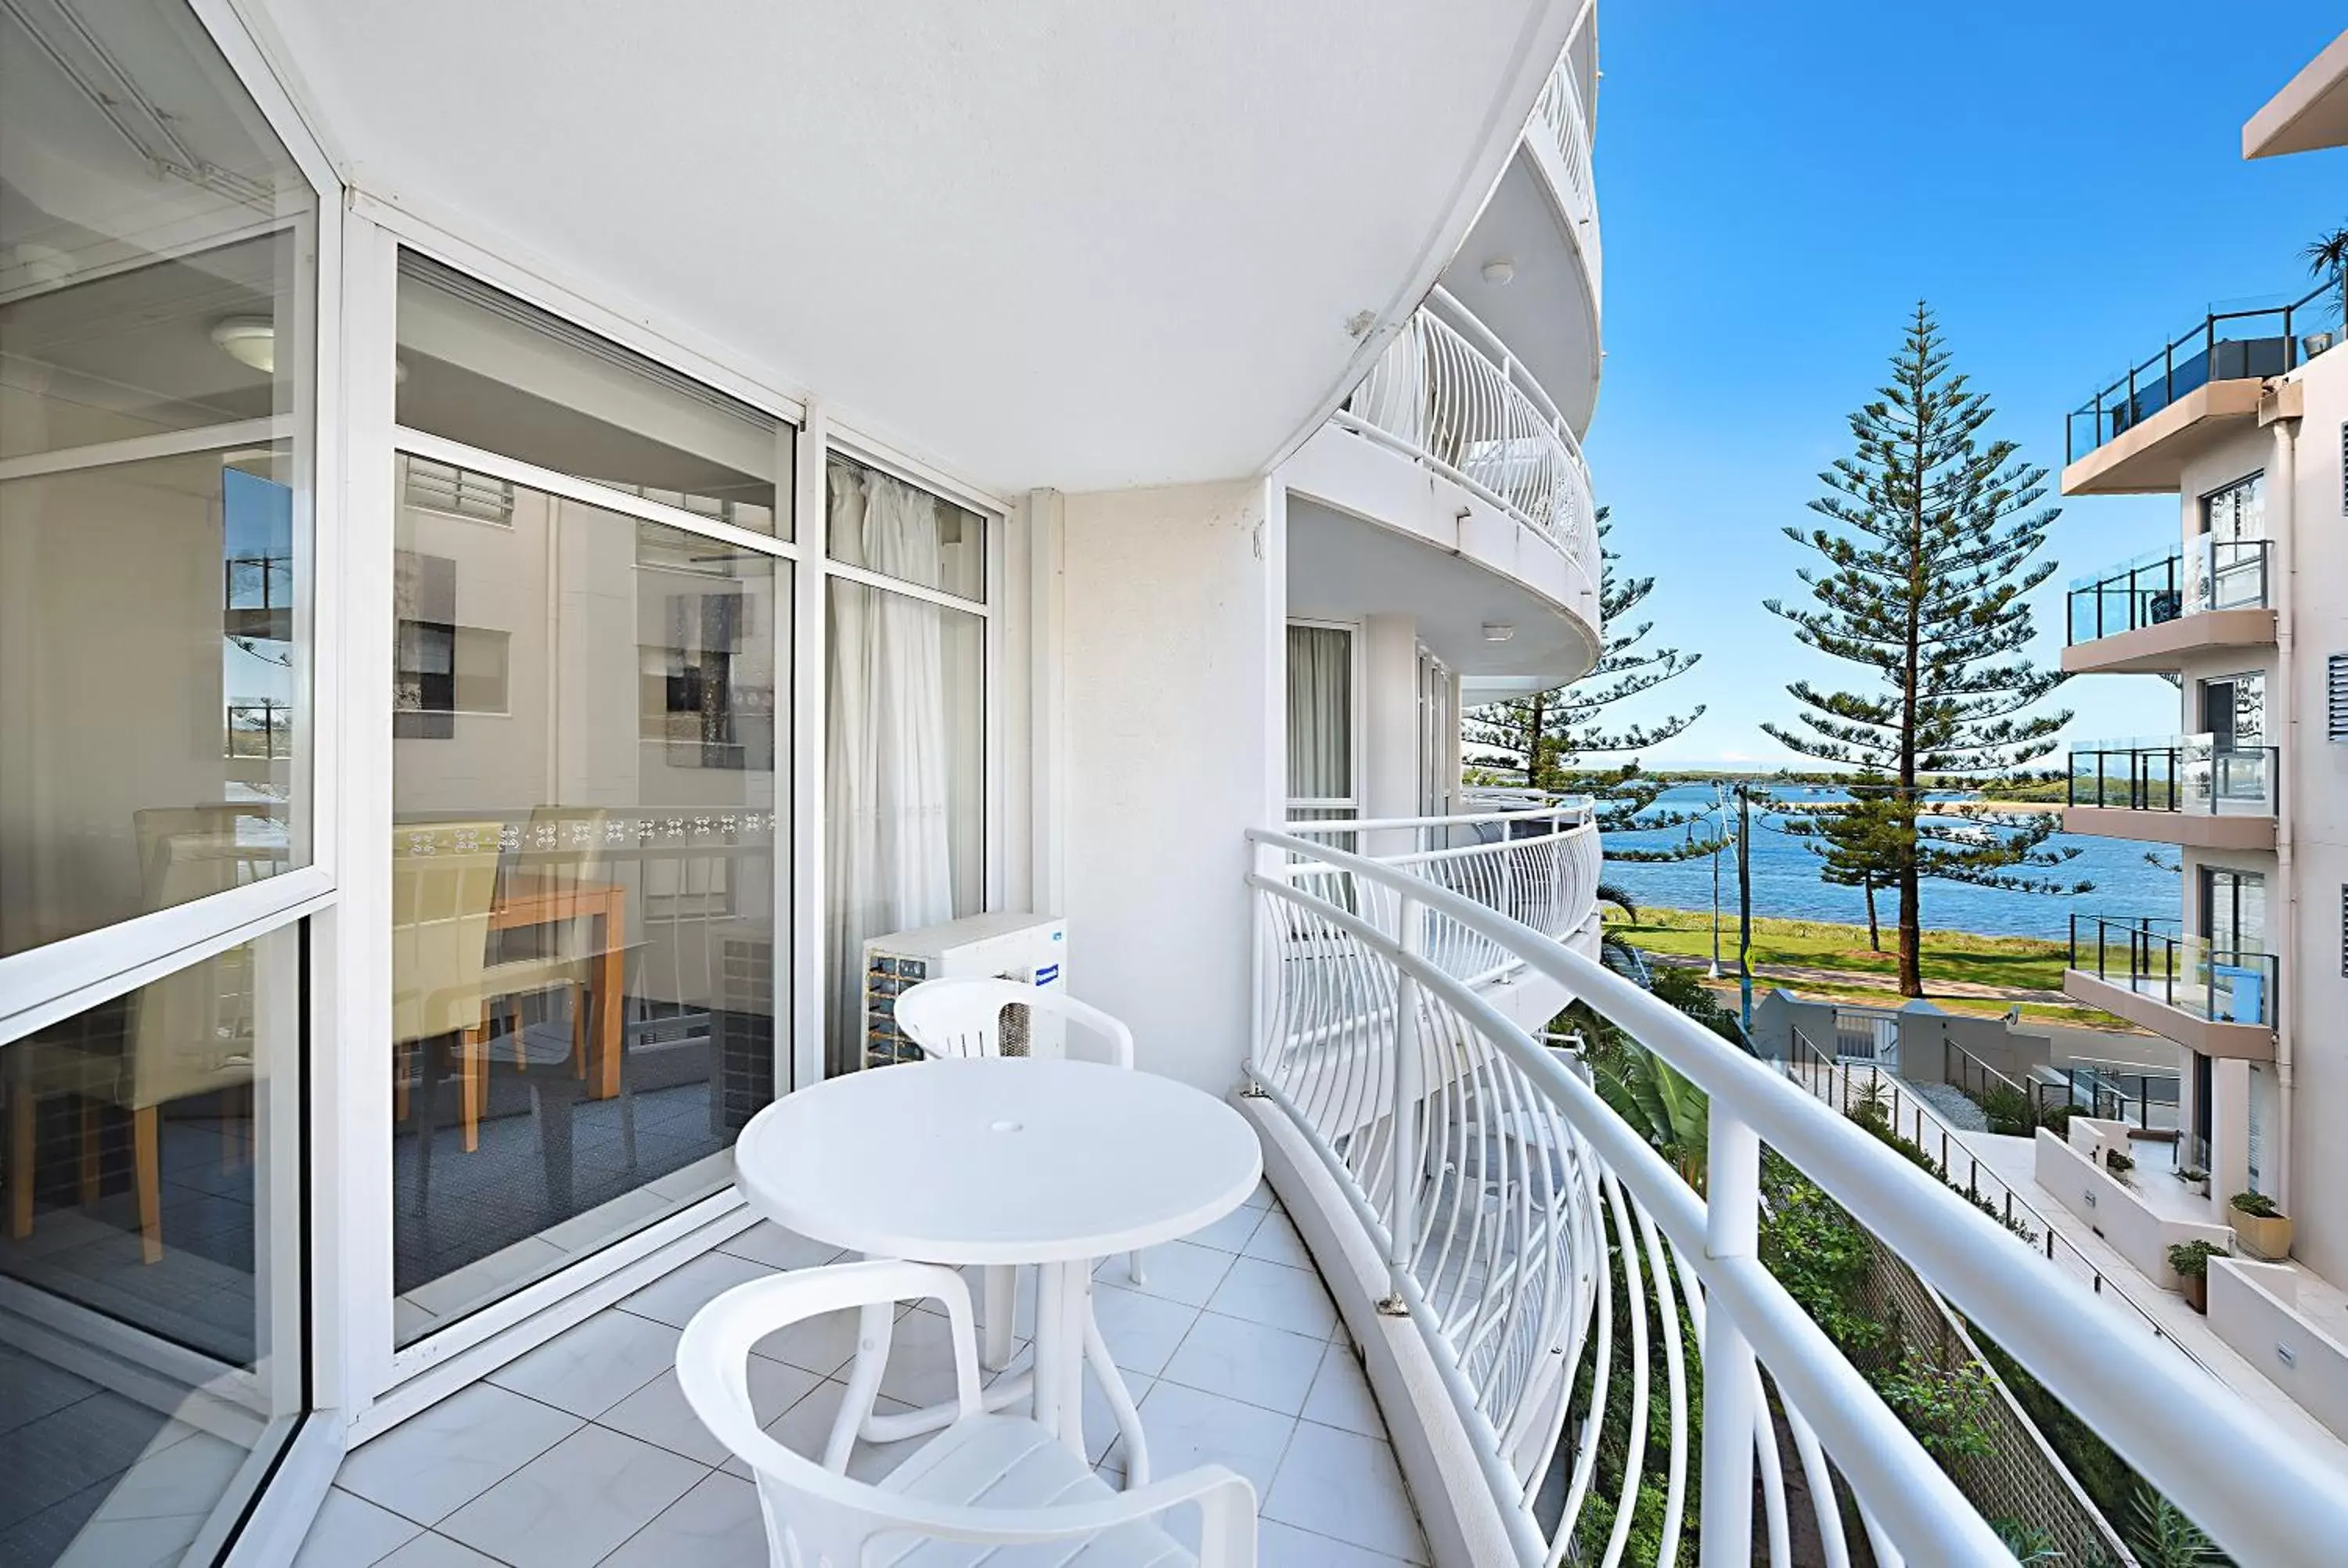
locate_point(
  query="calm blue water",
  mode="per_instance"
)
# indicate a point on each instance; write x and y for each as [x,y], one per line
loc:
[1785,880]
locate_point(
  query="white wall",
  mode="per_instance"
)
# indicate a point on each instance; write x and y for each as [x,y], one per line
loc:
[1174,659]
[2256,1308]
[2315,795]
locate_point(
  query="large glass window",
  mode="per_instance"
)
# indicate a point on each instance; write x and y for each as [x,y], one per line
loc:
[586,707]
[150,1275]
[156,265]
[906,722]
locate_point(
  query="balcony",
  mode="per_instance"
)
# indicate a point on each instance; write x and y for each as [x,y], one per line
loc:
[1561,127]
[2185,790]
[1448,395]
[1397,1342]
[2148,615]
[2214,1000]
[2136,433]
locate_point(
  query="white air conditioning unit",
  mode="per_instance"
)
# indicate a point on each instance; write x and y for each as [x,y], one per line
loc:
[1028,949]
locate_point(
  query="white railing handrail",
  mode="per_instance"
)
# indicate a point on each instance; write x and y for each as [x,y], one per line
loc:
[1899,1485]
[2234,1473]
[1440,399]
[1580,806]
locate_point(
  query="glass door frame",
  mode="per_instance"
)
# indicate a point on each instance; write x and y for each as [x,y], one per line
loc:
[268,1508]
[385,1385]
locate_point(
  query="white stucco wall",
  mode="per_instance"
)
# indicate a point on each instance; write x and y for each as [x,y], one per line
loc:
[1173,654]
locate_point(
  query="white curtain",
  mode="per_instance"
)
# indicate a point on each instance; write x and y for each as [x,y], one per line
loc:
[1320,713]
[892,840]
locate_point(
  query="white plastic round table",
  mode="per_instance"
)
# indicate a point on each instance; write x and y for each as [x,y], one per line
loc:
[997,1160]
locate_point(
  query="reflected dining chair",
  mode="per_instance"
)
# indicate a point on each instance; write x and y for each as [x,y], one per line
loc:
[444,883]
[559,860]
[188,1033]
[966,1017]
[980,1488]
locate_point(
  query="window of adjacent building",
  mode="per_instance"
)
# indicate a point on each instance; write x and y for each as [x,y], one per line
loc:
[2237,511]
[2335,698]
[588,817]
[158,255]
[2228,567]
[1320,688]
[905,717]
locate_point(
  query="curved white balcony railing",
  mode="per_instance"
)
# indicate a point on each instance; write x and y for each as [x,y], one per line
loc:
[1448,394]
[1559,116]
[1505,1195]
[1537,866]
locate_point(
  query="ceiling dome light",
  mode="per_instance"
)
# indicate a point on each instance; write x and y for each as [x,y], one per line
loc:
[250,341]
[1498,631]
[1498,271]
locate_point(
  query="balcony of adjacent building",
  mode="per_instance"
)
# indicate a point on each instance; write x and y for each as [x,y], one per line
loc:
[2216,996]
[1450,486]
[2136,434]
[2205,792]
[2148,615]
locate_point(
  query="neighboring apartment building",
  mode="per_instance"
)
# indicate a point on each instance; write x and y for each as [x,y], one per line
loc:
[2244,418]
[665,502]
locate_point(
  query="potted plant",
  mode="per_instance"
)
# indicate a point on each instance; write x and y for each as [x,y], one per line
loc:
[2263,1229]
[2195,1177]
[2327,256]
[2118,1164]
[2191,1259]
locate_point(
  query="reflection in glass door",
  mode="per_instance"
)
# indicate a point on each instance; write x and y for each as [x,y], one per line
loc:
[584,881]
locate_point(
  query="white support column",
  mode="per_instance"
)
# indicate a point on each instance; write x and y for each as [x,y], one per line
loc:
[1387,762]
[1174,673]
[2229,1128]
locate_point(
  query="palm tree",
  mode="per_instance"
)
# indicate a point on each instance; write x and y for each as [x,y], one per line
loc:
[1613,893]
[2327,256]
[1661,1105]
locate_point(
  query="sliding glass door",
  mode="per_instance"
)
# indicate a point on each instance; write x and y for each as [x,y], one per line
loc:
[590,694]
[159,259]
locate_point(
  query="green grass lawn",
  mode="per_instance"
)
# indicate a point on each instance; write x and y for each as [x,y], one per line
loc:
[2021,961]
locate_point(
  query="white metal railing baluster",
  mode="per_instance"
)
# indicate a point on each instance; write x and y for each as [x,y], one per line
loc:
[1409,1088]
[1732,1230]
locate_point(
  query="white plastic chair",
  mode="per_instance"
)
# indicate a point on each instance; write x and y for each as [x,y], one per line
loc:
[958,1017]
[972,1484]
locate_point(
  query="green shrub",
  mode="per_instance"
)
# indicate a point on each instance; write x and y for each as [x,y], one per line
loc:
[1948,1408]
[2258,1205]
[2056,1119]
[2007,1111]
[2192,1259]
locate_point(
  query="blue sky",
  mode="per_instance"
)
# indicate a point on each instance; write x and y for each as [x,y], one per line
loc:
[2063,180]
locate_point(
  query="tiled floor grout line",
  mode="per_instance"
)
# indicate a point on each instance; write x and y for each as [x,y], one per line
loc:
[1334,1340]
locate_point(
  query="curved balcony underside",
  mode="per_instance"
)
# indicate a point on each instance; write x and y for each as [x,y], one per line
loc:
[1542,220]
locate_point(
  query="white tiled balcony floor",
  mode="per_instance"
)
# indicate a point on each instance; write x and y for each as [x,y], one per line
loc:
[583,1452]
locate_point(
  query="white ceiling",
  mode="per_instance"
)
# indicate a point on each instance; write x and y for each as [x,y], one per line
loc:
[1043,241]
